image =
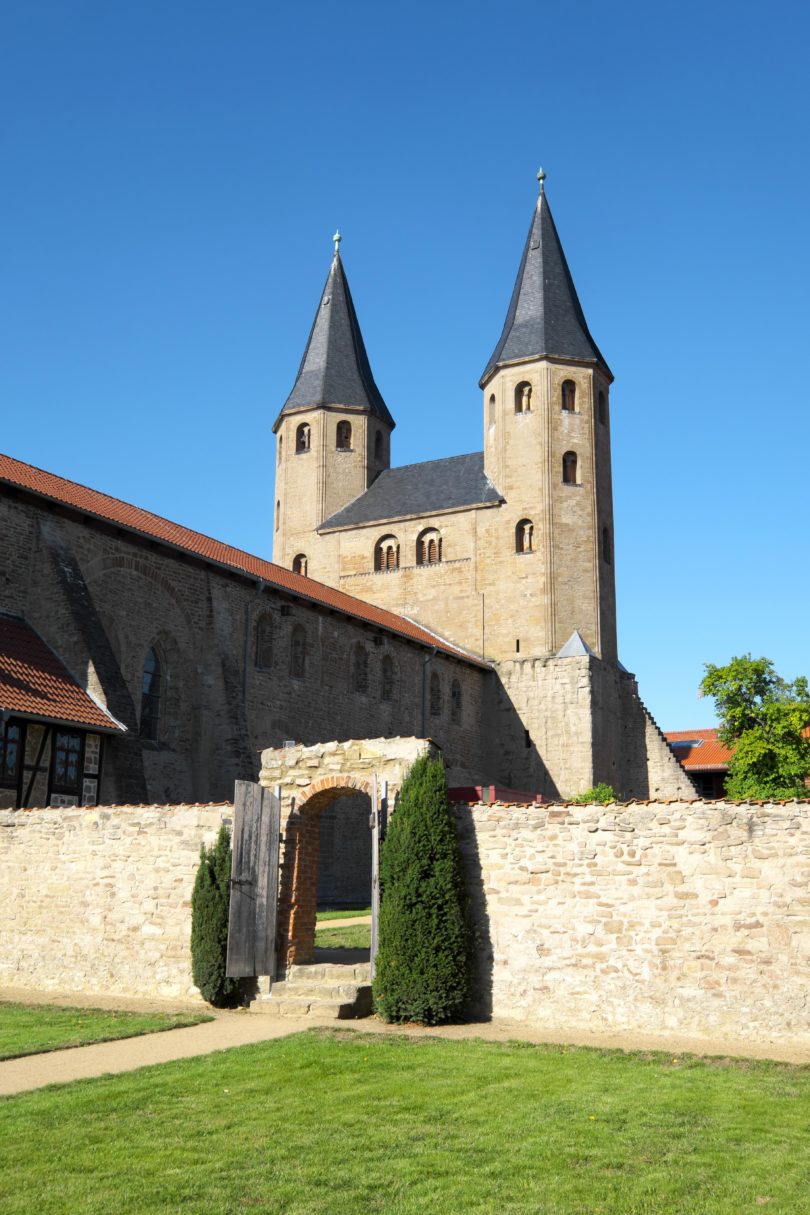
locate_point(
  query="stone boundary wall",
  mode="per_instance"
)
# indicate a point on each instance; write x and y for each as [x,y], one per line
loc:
[652,917]
[99,900]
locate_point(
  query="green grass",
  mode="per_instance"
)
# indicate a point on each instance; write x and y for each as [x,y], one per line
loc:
[355,936]
[346,914]
[29,1029]
[339,1123]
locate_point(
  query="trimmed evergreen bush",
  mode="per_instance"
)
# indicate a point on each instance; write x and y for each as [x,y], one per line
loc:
[423,961]
[210,904]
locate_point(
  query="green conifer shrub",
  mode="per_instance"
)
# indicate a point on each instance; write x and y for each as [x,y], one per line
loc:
[423,960]
[210,904]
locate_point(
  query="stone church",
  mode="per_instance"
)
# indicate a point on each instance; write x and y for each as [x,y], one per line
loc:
[469,599]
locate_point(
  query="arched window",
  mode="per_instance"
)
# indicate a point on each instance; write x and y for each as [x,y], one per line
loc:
[387,678]
[302,437]
[279,447]
[569,396]
[343,436]
[602,404]
[492,409]
[455,702]
[360,668]
[569,468]
[378,447]
[607,547]
[278,514]
[429,547]
[150,696]
[298,652]
[524,536]
[300,564]
[386,554]
[435,696]
[523,397]
[263,653]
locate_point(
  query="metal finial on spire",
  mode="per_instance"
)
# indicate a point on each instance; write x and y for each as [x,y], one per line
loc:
[337,238]
[541,177]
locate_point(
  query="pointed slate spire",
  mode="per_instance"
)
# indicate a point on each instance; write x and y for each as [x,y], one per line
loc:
[575,647]
[335,369]
[545,317]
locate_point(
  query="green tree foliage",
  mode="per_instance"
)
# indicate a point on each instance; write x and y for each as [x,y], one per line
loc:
[599,795]
[761,720]
[423,962]
[210,903]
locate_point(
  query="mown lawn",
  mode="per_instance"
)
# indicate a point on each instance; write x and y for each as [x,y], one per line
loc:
[341,1123]
[354,936]
[29,1029]
[343,915]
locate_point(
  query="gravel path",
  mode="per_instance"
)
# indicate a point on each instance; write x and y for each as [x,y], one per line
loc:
[238,1028]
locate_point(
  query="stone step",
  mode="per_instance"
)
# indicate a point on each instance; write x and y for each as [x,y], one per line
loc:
[296,1003]
[326,972]
[315,990]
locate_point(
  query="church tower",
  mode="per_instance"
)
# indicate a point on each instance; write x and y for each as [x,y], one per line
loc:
[547,449]
[333,433]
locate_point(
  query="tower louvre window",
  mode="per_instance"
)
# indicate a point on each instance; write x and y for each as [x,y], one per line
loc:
[263,654]
[569,396]
[343,436]
[435,696]
[298,652]
[378,447]
[524,536]
[279,448]
[569,468]
[429,547]
[386,553]
[302,437]
[300,564]
[602,408]
[492,409]
[278,514]
[607,547]
[523,397]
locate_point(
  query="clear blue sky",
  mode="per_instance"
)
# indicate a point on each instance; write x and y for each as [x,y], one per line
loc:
[172,176]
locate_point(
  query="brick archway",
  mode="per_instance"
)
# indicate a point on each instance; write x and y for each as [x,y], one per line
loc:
[310,779]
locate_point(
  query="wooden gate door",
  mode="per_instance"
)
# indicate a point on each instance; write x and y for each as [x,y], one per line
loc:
[254,882]
[379,823]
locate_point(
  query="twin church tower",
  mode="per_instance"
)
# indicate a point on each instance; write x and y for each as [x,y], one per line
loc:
[508,552]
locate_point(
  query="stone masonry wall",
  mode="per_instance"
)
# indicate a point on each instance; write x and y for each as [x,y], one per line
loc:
[691,917]
[100,900]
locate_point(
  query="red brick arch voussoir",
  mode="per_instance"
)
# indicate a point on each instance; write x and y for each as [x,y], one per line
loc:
[328,788]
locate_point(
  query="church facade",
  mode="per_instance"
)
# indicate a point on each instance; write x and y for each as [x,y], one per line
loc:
[469,599]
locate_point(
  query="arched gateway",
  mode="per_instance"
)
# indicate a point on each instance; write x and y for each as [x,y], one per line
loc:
[310,779]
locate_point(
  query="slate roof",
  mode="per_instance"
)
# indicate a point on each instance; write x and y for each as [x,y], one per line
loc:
[545,317]
[35,683]
[143,523]
[335,369]
[417,489]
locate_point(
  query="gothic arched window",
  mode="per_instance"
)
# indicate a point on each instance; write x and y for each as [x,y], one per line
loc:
[607,547]
[524,536]
[278,514]
[263,652]
[360,668]
[300,564]
[279,447]
[523,397]
[150,696]
[455,701]
[386,553]
[435,696]
[302,437]
[602,403]
[387,678]
[569,468]
[343,436]
[569,396]
[492,409]
[298,652]
[378,447]
[429,547]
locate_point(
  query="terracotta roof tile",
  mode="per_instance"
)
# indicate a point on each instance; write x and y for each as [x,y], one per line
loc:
[710,755]
[34,683]
[143,522]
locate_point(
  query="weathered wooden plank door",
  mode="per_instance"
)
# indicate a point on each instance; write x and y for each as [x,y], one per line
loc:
[254,881]
[379,821]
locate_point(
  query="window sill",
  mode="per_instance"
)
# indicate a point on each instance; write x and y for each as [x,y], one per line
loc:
[346,451]
[525,552]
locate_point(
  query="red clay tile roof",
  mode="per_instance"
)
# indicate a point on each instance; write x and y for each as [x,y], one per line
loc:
[709,756]
[144,523]
[34,683]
